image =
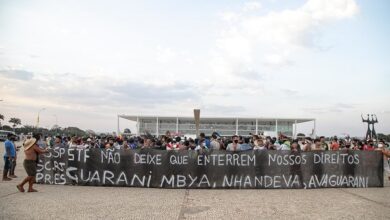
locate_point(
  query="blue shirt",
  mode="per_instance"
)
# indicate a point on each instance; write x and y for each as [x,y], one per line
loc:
[207,141]
[9,146]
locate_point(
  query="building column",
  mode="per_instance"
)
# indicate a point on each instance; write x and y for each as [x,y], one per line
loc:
[257,123]
[177,125]
[315,129]
[137,126]
[157,131]
[295,129]
[236,126]
[118,130]
[276,127]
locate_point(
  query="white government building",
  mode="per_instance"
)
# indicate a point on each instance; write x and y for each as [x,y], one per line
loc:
[225,126]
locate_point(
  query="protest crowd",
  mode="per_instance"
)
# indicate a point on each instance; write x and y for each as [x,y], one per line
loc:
[170,142]
[214,142]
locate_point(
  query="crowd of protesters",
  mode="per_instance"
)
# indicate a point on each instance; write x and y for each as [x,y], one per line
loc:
[203,143]
[214,142]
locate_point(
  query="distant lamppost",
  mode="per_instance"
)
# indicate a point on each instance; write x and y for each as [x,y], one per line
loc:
[56,122]
[38,116]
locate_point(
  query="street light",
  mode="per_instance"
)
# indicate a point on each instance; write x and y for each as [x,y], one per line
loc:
[56,122]
[38,116]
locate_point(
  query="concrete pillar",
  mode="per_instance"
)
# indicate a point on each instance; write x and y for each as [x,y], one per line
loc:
[138,126]
[157,131]
[295,129]
[276,126]
[257,130]
[236,126]
[118,130]
[177,125]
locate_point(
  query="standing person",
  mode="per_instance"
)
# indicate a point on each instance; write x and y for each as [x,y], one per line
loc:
[235,146]
[334,145]
[317,145]
[58,142]
[13,162]
[9,155]
[31,150]
[202,136]
[323,143]
[214,144]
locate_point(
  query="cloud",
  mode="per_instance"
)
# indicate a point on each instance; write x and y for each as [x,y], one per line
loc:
[147,93]
[272,39]
[251,6]
[165,55]
[33,56]
[335,108]
[17,74]
[223,109]
[72,90]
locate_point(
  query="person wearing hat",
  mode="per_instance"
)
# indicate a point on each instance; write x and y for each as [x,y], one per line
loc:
[31,150]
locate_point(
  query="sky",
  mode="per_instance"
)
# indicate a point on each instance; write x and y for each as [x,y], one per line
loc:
[85,62]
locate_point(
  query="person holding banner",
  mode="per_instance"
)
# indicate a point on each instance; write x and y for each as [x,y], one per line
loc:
[234,146]
[31,150]
[386,156]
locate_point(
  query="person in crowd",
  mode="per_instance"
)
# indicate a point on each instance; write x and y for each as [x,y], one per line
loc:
[13,162]
[118,143]
[246,144]
[58,142]
[31,151]
[259,144]
[317,145]
[87,143]
[186,145]
[9,156]
[201,147]
[125,145]
[202,136]
[295,146]
[234,146]
[73,142]
[369,146]
[215,144]
[307,144]
[110,143]
[132,143]
[285,145]
[192,143]
[386,156]
[41,141]
[324,145]
[335,144]
[147,143]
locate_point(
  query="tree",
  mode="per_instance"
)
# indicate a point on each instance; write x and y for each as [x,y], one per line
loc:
[15,122]
[6,128]
[1,118]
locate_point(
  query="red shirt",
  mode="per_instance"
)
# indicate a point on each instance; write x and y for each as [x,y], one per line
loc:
[335,146]
[368,147]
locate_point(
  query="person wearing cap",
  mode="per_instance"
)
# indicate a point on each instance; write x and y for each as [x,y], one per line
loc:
[9,156]
[31,151]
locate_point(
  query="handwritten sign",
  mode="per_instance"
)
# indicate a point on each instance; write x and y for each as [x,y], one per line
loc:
[214,169]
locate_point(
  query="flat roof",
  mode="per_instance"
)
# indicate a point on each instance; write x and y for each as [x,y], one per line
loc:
[140,117]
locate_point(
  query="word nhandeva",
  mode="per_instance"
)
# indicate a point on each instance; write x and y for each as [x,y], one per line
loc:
[294,181]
